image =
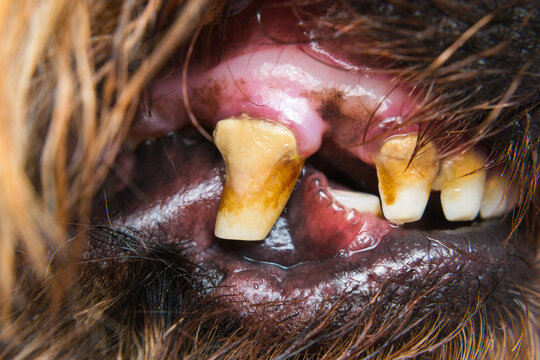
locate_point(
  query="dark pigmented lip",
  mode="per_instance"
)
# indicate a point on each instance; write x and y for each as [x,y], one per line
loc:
[460,264]
[181,177]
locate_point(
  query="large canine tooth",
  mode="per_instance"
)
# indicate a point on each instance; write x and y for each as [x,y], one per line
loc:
[498,197]
[461,182]
[405,185]
[361,202]
[262,165]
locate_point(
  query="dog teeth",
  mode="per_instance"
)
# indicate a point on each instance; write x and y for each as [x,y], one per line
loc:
[262,166]
[498,197]
[461,182]
[361,202]
[405,185]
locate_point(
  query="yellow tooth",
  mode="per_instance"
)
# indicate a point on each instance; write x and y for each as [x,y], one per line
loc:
[405,186]
[262,166]
[461,182]
[498,197]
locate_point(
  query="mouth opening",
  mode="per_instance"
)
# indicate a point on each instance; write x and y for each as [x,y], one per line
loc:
[345,171]
[315,254]
[320,256]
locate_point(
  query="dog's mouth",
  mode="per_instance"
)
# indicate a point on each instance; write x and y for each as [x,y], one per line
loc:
[327,199]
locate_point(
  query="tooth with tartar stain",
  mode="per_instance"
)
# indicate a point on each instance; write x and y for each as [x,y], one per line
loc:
[262,166]
[361,202]
[461,181]
[498,197]
[405,185]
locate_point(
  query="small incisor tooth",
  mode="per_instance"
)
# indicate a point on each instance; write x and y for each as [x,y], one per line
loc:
[262,166]
[361,202]
[405,185]
[461,182]
[498,197]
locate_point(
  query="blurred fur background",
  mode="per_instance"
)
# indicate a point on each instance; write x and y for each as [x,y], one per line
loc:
[71,74]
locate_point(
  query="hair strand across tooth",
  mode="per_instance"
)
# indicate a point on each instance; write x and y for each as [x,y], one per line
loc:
[461,182]
[405,185]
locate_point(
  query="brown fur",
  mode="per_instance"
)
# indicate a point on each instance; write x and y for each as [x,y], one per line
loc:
[70,76]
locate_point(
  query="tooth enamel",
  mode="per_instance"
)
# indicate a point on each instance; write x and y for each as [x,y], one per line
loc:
[497,198]
[405,186]
[462,186]
[362,202]
[262,165]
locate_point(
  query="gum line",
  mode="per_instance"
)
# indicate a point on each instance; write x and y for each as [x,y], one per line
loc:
[285,85]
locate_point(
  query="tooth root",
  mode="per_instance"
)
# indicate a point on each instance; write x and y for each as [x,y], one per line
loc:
[498,197]
[262,166]
[405,186]
[361,202]
[461,182]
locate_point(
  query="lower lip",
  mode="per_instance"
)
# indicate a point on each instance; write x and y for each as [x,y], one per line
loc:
[306,273]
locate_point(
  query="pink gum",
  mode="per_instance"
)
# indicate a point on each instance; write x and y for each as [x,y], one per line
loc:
[286,85]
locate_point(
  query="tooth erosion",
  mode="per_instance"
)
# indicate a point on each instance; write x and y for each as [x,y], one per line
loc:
[262,165]
[461,182]
[404,185]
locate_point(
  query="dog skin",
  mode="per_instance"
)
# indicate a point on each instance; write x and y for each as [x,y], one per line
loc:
[110,182]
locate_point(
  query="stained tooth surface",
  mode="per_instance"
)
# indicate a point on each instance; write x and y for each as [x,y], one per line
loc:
[362,202]
[461,182]
[262,166]
[405,186]
[498,197]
